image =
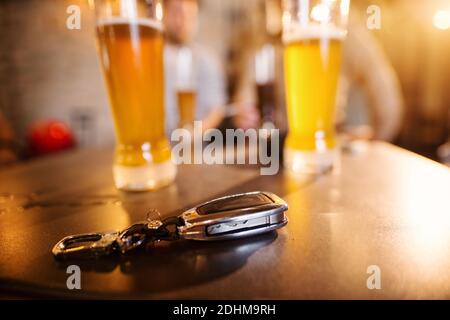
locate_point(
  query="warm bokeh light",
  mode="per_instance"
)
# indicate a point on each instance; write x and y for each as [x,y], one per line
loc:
[321,13]
[441,19]
[345,7]
[159,11]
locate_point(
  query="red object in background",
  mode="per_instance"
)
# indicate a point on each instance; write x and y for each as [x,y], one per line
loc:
[49,136]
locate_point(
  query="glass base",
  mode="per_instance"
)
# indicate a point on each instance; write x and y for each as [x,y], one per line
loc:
[309,162]
[144,178]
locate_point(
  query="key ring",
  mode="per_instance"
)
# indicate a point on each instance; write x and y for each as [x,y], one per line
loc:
[225,218]
[86,246]
[164,232]
[134,236]
[95,245]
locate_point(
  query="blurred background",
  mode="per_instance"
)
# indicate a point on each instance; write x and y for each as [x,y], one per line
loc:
[395,83]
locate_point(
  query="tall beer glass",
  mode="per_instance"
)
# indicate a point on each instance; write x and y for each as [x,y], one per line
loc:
[313,32]
[130,42]
[186,87]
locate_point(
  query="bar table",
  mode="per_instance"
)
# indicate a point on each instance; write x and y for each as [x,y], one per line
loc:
[382,208]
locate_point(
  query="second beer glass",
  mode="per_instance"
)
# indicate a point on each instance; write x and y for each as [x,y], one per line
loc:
[131,44]
[313,32]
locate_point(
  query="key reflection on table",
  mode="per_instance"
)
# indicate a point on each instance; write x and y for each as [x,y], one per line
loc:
[188,263]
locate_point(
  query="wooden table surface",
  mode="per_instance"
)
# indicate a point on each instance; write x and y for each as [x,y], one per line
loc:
[382,206]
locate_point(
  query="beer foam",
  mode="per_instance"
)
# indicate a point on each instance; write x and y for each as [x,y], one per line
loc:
[313,31]
[148,22]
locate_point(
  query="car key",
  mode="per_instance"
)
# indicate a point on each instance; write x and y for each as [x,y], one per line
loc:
[234,217]
[230,217]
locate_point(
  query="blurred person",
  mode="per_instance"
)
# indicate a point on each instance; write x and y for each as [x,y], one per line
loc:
[181,22]
[7,149]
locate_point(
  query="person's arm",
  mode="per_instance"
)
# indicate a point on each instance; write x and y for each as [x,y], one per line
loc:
[366,62]
[214,118]
[246,114]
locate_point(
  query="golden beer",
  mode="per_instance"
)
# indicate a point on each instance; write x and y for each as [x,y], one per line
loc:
[313,32]
[187,101]
[131,53]
[311,73]
[312,64]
